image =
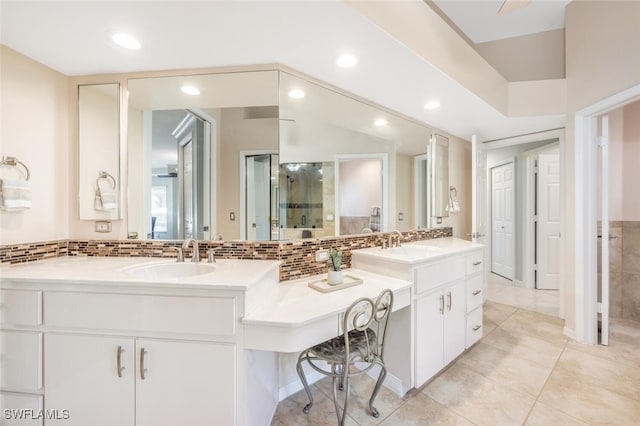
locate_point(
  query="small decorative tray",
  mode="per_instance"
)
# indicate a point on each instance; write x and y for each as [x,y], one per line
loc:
[323,285]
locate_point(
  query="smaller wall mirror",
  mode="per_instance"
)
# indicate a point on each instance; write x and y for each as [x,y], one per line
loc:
[99,151]
[440,182]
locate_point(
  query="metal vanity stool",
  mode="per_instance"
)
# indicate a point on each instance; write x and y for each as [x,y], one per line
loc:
[366,319]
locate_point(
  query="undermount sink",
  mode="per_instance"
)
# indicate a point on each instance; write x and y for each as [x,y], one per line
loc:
[412,250]
[169,270]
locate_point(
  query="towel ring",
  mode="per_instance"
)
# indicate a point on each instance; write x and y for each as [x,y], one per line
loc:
[14,162]
[106,176]
[453,192]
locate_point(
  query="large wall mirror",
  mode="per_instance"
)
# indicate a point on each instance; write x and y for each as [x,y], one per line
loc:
[265,155]
[194,144]
[99,151]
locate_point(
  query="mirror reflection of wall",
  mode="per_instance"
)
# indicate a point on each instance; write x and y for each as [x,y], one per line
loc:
[99,151]
[360,200]
[422,191]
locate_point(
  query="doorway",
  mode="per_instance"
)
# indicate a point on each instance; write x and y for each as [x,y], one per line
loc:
[260,195]
[592,207]
[499,163]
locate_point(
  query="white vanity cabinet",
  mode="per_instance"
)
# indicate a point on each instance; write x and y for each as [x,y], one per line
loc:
[125,381]
[448,286]
[134,380]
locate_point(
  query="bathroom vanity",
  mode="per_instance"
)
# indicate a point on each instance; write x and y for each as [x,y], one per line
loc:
[134,341]
[446,316]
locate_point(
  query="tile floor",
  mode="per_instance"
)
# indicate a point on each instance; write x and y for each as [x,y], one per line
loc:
[502,290]
[523,371]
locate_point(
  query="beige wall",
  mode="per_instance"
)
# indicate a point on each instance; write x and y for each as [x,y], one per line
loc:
[238,134]
[601,60]
[537,56]
[34,122]
[460,177]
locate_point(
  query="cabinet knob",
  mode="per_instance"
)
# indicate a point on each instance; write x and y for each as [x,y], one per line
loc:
[477,327]
[478,263]
[442,304]
[477,292]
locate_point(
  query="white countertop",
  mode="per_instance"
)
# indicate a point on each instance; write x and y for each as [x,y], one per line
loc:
[420,251]
[294,303]
[227,274]
[294,316]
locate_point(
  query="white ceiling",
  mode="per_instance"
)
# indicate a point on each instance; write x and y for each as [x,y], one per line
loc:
[75,38]
[480,21]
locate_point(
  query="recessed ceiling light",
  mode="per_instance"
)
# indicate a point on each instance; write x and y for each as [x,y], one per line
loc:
[190,90]
[380,122]
[296,94]
[126,40]
[346,61]
[432,105]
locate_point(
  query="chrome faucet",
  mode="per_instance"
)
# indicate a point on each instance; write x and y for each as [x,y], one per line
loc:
[195,257]
[399,234]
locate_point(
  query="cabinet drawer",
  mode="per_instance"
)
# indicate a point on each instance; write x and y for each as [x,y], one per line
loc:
[433,275]
[15,402]
[474,292]
[474,326]
[21,360]
[20,307]
[141,313]
[475,262]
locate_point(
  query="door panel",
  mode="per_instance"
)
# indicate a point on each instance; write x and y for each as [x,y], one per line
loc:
[455,322]
[81,375]
[185,383]
[502,220]
[548,275]
[429,336]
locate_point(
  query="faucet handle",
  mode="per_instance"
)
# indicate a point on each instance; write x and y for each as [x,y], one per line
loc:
[180,257]
[211,256]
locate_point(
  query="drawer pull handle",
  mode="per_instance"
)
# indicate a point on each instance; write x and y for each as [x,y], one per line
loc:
[119,366]
[477,263]
[442,304]
[477,292]
[477,327]
[142,369]
[450,302]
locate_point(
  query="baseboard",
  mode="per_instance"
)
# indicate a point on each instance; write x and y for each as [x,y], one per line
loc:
[569,333]
[519,283]
[293,387]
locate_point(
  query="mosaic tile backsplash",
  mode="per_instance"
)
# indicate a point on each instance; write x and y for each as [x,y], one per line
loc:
[297,256]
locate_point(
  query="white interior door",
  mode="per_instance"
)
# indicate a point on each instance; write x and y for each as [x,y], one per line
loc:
[548,232]
[502,220]
[604,301]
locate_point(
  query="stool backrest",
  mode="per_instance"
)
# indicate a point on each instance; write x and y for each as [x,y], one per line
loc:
[366,314]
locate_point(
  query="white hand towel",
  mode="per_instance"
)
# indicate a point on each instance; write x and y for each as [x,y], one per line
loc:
[106,199]
[15,195]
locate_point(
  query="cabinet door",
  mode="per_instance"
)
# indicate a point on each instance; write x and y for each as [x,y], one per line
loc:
[455,322]
[185,383]
[81,376]
[429,336]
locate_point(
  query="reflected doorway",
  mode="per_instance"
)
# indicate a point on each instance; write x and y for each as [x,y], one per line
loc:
[261,193]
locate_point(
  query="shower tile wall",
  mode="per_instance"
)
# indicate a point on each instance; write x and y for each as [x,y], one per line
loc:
[624,270]
[631,270]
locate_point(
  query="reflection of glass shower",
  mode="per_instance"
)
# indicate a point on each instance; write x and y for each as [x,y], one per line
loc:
[301,195]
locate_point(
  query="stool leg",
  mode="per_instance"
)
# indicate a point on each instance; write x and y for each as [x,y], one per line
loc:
[376,389]
[341,382]
[303,379]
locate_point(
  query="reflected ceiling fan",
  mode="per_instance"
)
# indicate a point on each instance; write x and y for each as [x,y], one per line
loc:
[511,5]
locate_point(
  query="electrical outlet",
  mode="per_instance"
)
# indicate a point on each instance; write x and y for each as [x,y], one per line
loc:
[103,226]
[400,217]
[322,255]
